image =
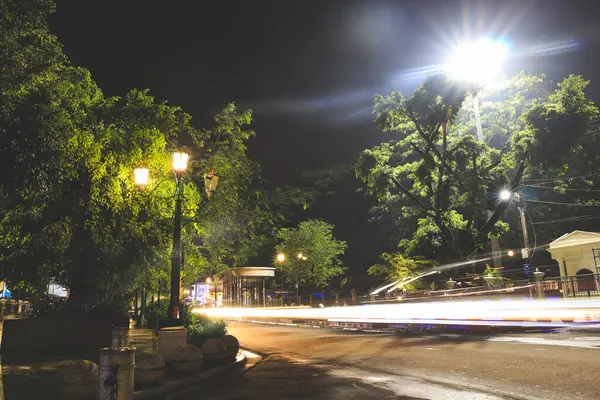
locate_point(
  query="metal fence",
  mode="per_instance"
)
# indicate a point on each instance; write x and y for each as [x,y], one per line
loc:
[578,286]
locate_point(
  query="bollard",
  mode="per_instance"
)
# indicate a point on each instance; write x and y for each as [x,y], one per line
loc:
[120,337]
[116,367]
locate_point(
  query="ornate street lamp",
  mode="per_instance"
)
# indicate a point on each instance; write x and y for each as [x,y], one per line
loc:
[180,163]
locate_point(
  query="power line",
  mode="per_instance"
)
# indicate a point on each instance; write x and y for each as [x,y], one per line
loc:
[567,189]
[568,219]
[563,204]
[559,179]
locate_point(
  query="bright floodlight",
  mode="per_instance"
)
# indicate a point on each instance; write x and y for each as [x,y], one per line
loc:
[280,257]
[140,176]
[180,160]
[505,195]
[479,62]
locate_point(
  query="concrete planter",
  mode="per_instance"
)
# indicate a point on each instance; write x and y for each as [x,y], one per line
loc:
[83,391]
[215,353]
[232,345]
[188,359]
[149,369]
[78,380]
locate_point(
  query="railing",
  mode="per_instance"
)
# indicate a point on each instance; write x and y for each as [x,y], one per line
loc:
[578,286]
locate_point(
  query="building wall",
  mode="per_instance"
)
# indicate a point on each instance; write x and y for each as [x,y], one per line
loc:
[576,258]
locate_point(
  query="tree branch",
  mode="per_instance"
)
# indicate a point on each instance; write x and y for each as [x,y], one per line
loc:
[427,139]
[409,194]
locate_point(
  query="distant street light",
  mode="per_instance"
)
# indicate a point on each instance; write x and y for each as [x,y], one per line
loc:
[511,253]
[300,256]
[505,195]
[208,280]
[280,258]
[180,161]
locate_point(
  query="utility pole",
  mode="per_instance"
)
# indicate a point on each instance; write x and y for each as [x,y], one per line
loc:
[525,251]
[496,257]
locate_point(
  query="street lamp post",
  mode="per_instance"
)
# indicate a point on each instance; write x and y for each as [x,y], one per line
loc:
[506,195]
[303,258]
[179,166]
[479,62]
[180,160]
[280,258]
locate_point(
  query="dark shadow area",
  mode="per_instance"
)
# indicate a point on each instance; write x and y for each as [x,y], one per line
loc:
[281,378]
[31,381]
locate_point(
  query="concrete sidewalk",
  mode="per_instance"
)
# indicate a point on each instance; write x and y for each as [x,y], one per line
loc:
[278,377]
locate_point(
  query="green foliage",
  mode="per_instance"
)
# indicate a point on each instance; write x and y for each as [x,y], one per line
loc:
[501,110]
[399,267]
[553,129]
[70,210]
[439,183]
[154,313]
[314,240]
[436,185]
[200,327]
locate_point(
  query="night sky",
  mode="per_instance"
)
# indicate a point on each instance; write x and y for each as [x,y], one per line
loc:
[309,69]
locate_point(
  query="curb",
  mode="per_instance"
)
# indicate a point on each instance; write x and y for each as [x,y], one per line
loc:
[173,388]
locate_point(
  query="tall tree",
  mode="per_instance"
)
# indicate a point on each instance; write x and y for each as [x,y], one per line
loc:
[312,254]
[438,185]
[68,207]
[415,175]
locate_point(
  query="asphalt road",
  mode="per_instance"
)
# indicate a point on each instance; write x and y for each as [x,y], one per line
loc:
[326,364]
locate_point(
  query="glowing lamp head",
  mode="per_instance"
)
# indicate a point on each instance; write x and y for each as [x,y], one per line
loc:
[511,253]
[505,195]
[300,256]
[208,280]
[180,160]
[479,62]
[280,257]
[141,176]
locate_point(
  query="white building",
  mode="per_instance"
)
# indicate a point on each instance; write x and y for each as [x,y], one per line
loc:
[577,253]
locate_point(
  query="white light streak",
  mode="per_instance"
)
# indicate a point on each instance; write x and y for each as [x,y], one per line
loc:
[505,312]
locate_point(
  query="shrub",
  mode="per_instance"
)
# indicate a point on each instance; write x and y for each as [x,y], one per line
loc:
[200,327]
[154,313]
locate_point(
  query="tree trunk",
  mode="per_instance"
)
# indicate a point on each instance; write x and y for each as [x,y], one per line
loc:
[440,182]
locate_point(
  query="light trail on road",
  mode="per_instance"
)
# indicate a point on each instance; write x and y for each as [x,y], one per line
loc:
[506,312]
